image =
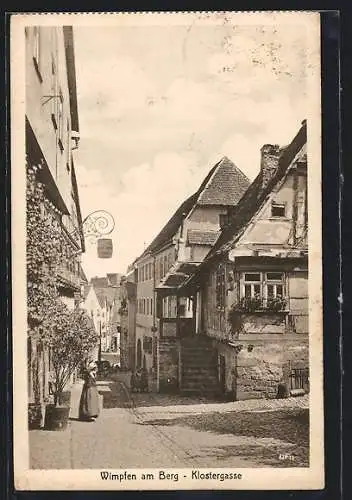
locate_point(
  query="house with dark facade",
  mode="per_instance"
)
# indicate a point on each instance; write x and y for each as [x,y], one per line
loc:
[128,294]
[163,314]
[251,291]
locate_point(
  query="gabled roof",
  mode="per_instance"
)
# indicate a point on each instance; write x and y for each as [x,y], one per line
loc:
[101,295]
[114,279]
[256,195]
[198,237]
[82,274]
[224,185]
[86,291]
[99,282]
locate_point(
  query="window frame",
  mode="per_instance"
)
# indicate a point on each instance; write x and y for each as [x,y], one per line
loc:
[220,287]
[275,204]
[264,283]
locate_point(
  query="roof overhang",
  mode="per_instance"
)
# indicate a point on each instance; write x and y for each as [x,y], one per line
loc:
[278,252]
[177,276]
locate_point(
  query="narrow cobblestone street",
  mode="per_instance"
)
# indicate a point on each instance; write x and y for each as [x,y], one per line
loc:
[153,430]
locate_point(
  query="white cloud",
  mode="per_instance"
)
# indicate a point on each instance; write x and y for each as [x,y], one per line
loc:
[151,193]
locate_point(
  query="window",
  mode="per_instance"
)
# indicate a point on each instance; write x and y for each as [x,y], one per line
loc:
[68,141]
[275,287]
[170,307]
[151,306]
[278,209]
[262,285]
[224,220]
[220,287]
[165,264]
[37,52]
[252,284]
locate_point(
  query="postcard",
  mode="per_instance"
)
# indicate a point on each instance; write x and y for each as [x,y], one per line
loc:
[167,251]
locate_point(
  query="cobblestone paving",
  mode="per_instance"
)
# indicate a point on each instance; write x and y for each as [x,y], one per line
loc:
[132,432]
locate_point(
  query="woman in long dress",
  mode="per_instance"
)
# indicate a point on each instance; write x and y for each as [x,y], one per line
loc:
[89,403]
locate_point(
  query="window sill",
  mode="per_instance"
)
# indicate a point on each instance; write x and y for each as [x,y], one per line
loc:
[266,311]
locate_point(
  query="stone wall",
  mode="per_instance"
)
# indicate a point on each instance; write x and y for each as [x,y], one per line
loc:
[168,361]
[262,366]
[254,368]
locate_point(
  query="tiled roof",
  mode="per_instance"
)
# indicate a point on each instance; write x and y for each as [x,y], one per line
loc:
[114,278]
[251,203]
[197,237]
[255,196]
[106,294]
[99,282]
[224,177]
[226,186]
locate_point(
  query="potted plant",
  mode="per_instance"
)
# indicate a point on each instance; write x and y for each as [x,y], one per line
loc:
[276,303]
[70,336]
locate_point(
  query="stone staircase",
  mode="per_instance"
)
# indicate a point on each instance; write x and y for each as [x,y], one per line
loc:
[199,366]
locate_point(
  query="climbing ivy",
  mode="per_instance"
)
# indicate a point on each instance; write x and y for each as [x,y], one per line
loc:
[68,334]
[43,250]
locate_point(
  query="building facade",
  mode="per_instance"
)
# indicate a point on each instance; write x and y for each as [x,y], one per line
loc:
[251,291]
[163,315]
[52,135]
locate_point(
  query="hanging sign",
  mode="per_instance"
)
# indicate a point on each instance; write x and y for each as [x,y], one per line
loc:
[104,248]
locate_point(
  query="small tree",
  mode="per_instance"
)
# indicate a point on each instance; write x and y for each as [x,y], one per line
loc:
[70,338]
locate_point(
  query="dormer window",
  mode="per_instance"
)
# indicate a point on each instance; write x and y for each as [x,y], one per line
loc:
[278,209]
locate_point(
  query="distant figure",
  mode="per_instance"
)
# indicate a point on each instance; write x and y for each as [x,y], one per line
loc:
[89,403]
[139,380]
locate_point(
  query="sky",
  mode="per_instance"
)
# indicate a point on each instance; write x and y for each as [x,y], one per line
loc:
[160,105]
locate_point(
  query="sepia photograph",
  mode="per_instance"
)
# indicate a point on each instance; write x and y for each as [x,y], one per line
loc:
[166,239]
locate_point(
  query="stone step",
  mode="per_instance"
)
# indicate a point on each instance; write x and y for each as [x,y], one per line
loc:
[199,389]
[197,381]
[200,369]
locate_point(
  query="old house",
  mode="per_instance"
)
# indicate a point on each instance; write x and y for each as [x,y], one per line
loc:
[128,323]
[52,135]
[107,290]
[94,308]
[251,291]
[163,315]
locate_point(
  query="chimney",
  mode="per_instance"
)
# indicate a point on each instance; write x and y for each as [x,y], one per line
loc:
[270,155]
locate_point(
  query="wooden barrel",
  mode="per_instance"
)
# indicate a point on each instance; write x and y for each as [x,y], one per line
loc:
[105,248]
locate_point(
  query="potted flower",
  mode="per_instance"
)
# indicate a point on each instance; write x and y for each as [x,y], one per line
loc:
[276,304]
[70,336]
